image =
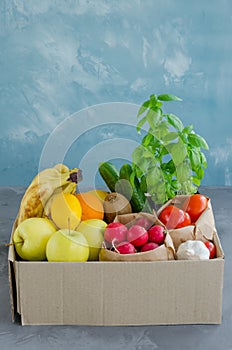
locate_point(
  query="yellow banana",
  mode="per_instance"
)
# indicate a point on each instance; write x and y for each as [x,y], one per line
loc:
[42,187]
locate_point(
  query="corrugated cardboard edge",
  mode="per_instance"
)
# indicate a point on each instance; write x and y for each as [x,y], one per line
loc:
[12,277]
[219,249]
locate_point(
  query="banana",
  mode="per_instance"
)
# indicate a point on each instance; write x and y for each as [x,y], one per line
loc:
[43,186]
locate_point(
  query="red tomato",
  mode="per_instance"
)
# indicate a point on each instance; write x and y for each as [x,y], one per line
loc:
[212,249]
[173,217]
[195,205]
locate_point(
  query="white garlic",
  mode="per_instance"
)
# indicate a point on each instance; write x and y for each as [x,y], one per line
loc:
[192,250]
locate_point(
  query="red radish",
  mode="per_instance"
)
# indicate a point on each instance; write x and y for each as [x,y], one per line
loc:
[137,235]
[149,246]
[116,232]
[125,248]
[156,234]
[144,222]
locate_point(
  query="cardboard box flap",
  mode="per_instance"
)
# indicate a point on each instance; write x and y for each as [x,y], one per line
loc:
[12,275]
[12,287]
[11,251]
[219,250]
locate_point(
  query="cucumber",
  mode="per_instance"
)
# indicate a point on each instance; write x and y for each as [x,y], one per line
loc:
[109,174]
[132,190]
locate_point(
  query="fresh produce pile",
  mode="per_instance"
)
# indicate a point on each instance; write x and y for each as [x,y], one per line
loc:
[151,209]
[57,223]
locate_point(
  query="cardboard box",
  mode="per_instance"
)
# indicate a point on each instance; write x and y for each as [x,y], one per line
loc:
[117,293]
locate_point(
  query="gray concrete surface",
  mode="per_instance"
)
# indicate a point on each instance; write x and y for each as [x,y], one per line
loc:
[194,337]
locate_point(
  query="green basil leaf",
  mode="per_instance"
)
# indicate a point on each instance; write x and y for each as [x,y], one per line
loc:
[153,100]
[196,181]
[199,173]
[183,173]
[170,136]
[153,116]
[159,104]
[168,97]
[137,154]
[148,154]
[143,164]
[195,158]
[169,167]
[163,152]
[175,185]
[148,139]
[143,108]
[203,160]
[161,130]
[175,121]
[154,178]
[197,141]
[188,129]
[178,152]
[140,124]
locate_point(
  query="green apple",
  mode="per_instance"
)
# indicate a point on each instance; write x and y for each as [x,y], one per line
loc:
[31,236]
[93,230]
[67,245]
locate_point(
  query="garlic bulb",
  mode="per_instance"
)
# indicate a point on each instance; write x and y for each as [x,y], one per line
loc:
[192,250]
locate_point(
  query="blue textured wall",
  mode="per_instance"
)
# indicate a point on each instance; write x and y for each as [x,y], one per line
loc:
[57,57]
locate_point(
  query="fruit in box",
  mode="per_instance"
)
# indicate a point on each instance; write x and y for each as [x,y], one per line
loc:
[36,200]
[67,245]
[66,211]
[31,236]
[92,207]
[100,194]
[115,204]
[93,230]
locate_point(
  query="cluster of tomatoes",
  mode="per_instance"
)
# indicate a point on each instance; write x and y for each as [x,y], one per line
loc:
[185,214]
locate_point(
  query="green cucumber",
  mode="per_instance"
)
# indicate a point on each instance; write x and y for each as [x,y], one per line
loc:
[109,174]
[131,189]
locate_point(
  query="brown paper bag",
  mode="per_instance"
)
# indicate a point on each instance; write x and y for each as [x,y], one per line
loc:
[165,251]
[203,229]
[205,225]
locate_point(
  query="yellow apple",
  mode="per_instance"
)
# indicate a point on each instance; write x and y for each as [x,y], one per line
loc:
[31,236]
[93,230]
[67,245]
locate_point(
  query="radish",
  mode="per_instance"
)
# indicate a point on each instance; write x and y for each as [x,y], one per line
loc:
[156,234]
[144,222]
[149,246]
[115,231]
[137,235]
[125,248]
